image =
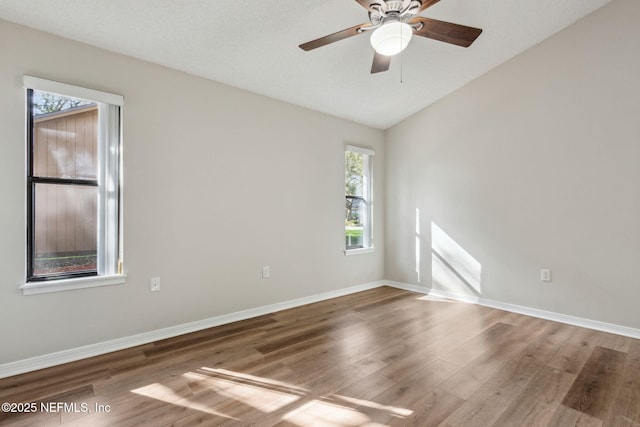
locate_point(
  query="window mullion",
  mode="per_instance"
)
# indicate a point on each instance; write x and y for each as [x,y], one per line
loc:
[63,181]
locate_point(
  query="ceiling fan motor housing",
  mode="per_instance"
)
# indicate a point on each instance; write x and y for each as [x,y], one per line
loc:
[392,10]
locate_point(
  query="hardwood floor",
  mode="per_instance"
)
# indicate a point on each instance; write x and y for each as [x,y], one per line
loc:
[380,357]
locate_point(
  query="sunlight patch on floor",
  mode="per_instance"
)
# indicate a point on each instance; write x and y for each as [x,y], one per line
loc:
[438,299]
[167,394]
[401,412]
[324,413]
[223,389]
[263,394]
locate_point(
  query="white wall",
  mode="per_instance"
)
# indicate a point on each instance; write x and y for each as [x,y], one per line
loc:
[536,164]
[218,182]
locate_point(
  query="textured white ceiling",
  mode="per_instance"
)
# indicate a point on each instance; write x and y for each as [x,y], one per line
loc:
[253,45]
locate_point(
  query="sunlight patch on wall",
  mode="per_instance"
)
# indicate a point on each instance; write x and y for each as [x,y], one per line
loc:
[453,269]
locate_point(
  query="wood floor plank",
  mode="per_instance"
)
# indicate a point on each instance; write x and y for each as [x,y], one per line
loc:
[473,375]
[486,404]
[193,340]
[434,341]
[538,401]
[31,419]
[575,352]
[40,390]
[622,421]
[595,387]
[569,417]
[384,303]
[327,412]
[548,343]
[330,382]
[412,396]
[625,407]
[380,357]
[632,382]
[368,387]
[481,342]
[614,342]
[520,321]
[429,411]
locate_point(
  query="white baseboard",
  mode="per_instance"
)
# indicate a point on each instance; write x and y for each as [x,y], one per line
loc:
[71,355]
[534,312]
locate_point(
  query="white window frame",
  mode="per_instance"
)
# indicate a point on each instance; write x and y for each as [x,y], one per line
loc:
[109,226]
[367,190]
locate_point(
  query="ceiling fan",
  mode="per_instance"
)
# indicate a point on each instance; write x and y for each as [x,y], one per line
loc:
[393,22]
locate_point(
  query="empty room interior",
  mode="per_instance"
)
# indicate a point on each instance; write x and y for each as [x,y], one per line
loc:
[338,213]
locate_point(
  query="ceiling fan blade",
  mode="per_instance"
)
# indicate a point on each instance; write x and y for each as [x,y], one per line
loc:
[331,38]
[427,4]
[367,3]
[380,63]
[446,31]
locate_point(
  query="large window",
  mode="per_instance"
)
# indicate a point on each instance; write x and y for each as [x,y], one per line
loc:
[73,183]
[358,190]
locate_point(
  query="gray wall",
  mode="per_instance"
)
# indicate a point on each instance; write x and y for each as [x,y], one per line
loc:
[218,182]
[533,165]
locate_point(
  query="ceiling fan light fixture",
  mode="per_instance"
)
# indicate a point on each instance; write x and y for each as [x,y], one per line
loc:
[391,38]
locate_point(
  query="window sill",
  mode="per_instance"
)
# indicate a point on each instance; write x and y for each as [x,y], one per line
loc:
[359,251]
[33,288]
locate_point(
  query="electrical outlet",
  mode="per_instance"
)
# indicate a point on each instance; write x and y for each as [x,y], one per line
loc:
[545,275]
[154,284]
[266,272]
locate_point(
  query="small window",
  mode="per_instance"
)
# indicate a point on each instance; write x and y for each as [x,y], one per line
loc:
[73,182]
[358,190]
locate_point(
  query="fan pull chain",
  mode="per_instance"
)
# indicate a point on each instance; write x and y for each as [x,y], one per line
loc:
[401,68]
